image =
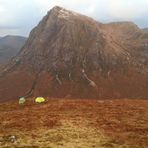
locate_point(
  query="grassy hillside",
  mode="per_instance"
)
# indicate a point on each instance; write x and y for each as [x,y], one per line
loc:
[75,124]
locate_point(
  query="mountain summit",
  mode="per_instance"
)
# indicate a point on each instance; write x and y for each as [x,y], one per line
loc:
[71,55]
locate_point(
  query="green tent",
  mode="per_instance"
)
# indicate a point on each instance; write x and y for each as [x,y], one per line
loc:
[22,100]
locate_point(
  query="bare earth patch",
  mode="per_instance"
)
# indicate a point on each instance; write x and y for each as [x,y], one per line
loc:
[69,123]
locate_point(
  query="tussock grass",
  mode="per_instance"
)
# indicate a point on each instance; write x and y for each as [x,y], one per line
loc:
[75,124]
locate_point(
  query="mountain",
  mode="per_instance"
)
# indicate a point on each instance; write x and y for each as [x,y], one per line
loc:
[71,55]
[9,47]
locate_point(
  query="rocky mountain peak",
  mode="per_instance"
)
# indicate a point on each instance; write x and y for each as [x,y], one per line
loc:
[59,12]
[56,8]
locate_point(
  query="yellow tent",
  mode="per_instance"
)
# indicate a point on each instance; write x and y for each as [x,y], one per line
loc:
[40,100]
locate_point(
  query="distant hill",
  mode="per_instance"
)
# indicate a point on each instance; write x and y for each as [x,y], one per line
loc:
[145,29]
[9,46]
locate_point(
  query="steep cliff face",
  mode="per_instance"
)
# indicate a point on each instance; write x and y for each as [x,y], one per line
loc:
[72,55]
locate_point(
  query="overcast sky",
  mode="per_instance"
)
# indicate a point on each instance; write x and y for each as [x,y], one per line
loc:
[18,17]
